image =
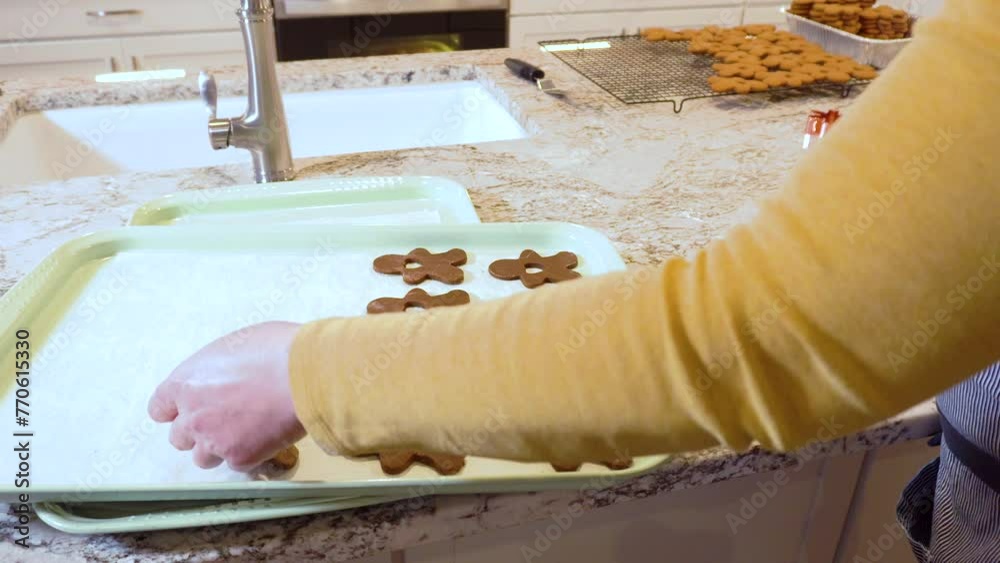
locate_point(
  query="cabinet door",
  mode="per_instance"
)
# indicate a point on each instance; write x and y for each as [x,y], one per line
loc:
[189,51]
[759,519]
[529,30]
[59,59]
[32,20]
[872,532]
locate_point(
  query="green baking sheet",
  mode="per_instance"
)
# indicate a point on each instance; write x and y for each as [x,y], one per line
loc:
[361,200]
[125,517]
[381,200]
[111,314]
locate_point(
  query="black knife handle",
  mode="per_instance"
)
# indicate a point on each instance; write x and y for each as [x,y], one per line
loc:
[525,70]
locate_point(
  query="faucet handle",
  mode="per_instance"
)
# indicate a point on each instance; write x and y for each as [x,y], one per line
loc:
[219,130]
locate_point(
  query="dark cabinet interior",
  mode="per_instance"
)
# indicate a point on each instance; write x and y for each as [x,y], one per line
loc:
[388,34]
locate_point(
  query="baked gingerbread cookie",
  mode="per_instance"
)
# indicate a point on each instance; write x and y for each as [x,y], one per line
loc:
[420,265]
[701,47]
[740,57]
[747,70]
[799,47]
[776,79]
[770,36]
[550,269]
[775,61]
[757,29]
[736,84]
[680,35]
[653,34]
[817,58]
[719,50]
[782,78]
[765,50]
[661,34]
[864,72]
[834,73]
[758,57]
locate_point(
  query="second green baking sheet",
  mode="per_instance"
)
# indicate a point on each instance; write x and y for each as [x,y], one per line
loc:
[377,200]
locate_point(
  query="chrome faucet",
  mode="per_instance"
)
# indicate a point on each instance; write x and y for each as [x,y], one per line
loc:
[263,128]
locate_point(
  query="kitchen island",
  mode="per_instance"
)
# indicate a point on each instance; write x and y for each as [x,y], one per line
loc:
[656,183]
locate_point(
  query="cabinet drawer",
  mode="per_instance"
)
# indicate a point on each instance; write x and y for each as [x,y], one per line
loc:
[25,20]
[529,30]
[58,59]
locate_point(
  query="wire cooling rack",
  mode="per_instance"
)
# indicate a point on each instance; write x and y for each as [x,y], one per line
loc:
[637,71]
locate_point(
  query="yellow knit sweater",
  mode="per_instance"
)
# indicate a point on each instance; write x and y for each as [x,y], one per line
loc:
[870,283]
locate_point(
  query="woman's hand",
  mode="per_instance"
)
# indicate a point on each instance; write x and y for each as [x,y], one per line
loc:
[231,401]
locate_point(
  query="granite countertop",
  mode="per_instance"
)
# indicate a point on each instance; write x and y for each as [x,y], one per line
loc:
[656,183]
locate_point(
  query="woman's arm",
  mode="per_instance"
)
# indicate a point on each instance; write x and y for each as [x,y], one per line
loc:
[870,283]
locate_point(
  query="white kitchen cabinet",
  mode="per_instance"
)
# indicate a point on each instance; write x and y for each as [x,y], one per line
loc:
[529,30]
[694,526]
[57,38]
[872,533]
[191,51]
[529,7]
[88,57]
[76,57]
[31,20]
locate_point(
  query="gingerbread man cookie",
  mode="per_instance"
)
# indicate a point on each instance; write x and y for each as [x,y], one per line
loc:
[614,465]
[767,50]
[864,72]
[552,269]
[736,84]
[745,70]
[737,57]
[394,462]
[654,34]
[680,35]
[282,461]
[443,267]
[757,29]
[417,298]
[794,78]
[697,47]
[775,61]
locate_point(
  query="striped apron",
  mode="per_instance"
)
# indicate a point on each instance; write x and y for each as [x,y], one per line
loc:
[950,510]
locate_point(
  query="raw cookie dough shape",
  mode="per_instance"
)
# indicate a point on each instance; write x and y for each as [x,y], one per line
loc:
[615,465]
[394,462]
[282,461]
[554,269]
[418,298]
[443,267]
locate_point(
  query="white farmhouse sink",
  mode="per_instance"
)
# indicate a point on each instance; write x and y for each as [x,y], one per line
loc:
[59,144]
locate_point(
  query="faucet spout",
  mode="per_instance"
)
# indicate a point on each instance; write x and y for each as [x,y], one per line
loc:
[256,5]
[263,128]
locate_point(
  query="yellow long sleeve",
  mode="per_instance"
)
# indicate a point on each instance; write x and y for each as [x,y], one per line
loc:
[870,283]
